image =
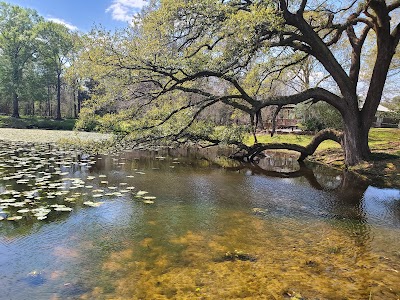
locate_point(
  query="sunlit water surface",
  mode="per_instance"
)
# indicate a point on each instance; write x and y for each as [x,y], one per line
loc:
[211,233]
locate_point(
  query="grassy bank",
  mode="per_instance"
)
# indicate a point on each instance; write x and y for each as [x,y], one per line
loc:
[36,123]
[378,138]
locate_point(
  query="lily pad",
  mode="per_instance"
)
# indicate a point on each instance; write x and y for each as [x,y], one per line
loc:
[63,209]
[92,204]
[141,193]
[14,218]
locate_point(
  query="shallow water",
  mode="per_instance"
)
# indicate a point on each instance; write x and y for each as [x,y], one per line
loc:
[212,233]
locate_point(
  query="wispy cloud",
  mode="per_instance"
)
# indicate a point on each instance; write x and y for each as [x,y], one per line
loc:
[63,22]
[124,10]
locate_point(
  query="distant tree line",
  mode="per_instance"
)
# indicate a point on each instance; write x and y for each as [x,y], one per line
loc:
[36,56]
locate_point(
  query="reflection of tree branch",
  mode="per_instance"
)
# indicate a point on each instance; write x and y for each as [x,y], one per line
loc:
[350,192]
[304,171]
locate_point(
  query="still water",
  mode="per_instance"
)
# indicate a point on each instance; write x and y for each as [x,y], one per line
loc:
[173,225]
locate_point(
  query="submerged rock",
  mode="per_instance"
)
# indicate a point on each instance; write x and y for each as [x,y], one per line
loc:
[35,278]
[236,255]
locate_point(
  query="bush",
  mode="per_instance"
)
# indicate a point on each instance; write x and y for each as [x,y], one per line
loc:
[319,116]
[36,122]
[312,124]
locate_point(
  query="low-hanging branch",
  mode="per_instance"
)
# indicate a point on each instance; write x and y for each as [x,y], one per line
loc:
[328,134]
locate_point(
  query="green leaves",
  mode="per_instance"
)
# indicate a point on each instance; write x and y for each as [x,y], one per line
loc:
[18,34]
[163,79]
[33,55]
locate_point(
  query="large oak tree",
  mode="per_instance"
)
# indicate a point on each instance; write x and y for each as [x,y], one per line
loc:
[185,56]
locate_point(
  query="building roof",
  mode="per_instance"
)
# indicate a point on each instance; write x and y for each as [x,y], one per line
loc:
[382,108]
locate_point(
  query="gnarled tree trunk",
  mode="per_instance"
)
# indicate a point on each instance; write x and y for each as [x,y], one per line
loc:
[355,139]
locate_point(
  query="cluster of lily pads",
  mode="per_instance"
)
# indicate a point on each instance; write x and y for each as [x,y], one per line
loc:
[37,180]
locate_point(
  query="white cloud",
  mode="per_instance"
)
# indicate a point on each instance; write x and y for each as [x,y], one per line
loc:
[63,22]
[124,10]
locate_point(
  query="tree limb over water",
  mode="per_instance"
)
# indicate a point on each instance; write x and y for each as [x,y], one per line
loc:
[327,134]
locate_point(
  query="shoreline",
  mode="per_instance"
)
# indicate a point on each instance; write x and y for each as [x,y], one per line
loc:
[383,169]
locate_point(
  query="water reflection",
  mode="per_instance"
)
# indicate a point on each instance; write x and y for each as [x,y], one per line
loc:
[312,232]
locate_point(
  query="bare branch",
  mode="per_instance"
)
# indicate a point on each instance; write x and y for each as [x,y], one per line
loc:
[394,5]
[313,93]
[303,4]
[327,134]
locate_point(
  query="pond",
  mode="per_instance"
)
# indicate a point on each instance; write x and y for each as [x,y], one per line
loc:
[170,224]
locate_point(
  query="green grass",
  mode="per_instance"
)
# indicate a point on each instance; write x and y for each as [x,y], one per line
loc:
[36,123]
[291,138]
[378,137]
[383,135]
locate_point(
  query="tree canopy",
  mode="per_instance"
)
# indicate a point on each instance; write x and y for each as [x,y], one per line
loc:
[56,45]
[183,57]
[34,53]
[18,33]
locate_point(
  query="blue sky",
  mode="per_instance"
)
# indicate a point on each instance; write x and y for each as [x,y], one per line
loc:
[83,14]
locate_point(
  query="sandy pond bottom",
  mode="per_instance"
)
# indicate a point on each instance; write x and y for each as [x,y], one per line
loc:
[203,232]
